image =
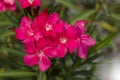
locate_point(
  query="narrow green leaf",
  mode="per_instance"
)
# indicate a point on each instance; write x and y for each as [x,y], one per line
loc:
[83,73]
[11,19]
[17,74]
[102,43]
[107,26]
[68,4]
[83,16]
[6,34]
[88,60]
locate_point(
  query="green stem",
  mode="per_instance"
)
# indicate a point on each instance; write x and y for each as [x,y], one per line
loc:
[97,9]
[41,76]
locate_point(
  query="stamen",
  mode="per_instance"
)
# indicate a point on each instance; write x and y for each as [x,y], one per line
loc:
[63,40]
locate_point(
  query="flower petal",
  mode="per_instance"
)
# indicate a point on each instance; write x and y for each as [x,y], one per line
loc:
[30,48]
[2,6]
[42,43]
[53,18]
[62,50]
[28,40]
[24,3]
[44,63]
[59,27]
[72,45]
[25,23]
[88,40]
[31,60]
[71,32]
[50,52]
[80,27]
[20,34]
[82,51]
[36,3]
[42,18]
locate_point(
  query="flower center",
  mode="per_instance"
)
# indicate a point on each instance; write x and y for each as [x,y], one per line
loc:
[30,33]
[30,1]
[82,24]
[48,27]
[40,53]
[63,40]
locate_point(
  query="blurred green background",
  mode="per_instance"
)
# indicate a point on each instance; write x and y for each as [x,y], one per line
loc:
[103,18]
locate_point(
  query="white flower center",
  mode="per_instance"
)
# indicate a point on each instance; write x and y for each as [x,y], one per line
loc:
[63,40]
[30,33]
[82,24]
[48,27]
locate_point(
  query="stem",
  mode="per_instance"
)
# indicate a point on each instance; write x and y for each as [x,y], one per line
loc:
[41,76]
[97,9]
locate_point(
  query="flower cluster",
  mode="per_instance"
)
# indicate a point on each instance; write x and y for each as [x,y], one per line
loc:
[7,4]
[47,36]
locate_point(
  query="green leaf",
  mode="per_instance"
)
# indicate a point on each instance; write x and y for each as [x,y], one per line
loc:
[11,19]
[83,16]
[68,4]
[88,60]
[6,34]
[83,73]
[17,74]
[102,43]
[107,26]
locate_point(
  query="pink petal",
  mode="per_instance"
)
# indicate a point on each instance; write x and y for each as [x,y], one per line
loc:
[81,26]
[59,27]
[38,35]
[25,23]
[44,63]
[62,50]
[50,52]
[71,32]
[30,48]
[88,40]
[31,60]
[72,45]
[42,43]
[2,6]
[35,24]
[82,51]
[24,3]
[42,18]
[11,7]
[36,3]
[28,40]
[11,2]
[53,18]
[20,34]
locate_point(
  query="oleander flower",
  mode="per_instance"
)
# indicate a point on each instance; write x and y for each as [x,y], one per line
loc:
[47,36]
[85,40]
[7,5]
[39,54]
[28,3]
[28,31]
[67,41]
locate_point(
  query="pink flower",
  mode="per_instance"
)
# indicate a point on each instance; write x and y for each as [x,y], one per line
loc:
[85,40]
[28,31]
[28,3]
[67,40]
[39,53]
[50,24]
[7,4]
